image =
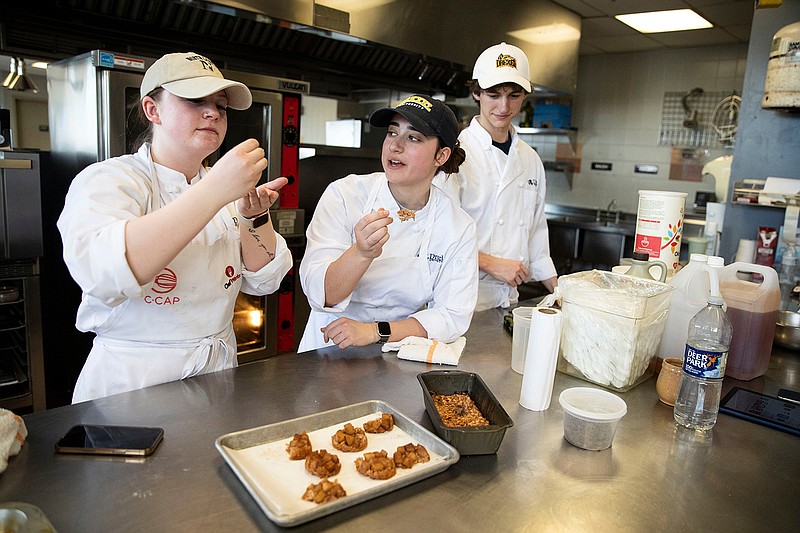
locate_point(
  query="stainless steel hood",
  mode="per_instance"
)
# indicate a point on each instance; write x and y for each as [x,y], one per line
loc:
[280,38]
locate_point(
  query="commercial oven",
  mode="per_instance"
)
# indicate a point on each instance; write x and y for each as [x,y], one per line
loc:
[22,382]
[90,98]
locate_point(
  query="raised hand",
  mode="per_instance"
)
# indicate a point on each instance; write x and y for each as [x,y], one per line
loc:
[372,233]
[237,172]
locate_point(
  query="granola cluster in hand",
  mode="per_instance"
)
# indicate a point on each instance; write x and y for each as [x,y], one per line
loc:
[324,491]
[299,447]
[376,465]
[349,439]
[380,425]
[323,464]
[409,455]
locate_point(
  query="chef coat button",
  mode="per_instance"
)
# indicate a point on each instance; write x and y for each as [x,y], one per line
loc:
[520,185]
[416,229]
[520,223]
[500,221]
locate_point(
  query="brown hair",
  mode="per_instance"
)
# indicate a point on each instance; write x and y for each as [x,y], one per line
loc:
[457,156]
[475,89]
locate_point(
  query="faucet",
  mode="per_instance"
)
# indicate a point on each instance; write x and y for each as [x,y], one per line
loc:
[612,207]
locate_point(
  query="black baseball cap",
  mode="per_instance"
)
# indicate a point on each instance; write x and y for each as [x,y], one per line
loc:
[429,116]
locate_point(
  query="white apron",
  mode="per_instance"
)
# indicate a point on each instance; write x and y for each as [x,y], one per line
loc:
[391,289]
[180,327]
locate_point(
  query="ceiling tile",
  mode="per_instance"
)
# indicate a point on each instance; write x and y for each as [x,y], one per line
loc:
[678,39]
[582,8]
[627,43]
[605,27]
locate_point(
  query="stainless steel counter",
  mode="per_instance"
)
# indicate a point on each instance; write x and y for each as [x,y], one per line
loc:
[656,476]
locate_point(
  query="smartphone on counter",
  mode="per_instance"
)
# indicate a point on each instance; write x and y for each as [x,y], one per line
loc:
[110,440]
[762,409]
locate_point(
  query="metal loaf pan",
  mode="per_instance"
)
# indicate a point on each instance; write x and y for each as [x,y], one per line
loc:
[258,458]
[467,440]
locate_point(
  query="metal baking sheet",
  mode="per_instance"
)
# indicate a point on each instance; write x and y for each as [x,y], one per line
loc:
[259,459]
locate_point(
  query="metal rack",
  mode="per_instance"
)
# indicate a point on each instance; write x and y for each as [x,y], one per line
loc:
[21,358]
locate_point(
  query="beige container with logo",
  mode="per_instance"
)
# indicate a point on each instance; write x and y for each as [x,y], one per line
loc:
[659,226]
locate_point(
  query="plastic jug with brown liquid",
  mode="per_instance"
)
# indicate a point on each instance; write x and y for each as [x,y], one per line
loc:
[753,311]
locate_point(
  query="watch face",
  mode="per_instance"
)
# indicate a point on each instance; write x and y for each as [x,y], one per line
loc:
[384,330]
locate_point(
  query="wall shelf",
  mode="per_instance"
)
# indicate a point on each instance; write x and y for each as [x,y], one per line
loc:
[751,192]
[568,166]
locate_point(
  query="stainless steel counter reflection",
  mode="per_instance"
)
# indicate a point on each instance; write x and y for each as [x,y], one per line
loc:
[656,476]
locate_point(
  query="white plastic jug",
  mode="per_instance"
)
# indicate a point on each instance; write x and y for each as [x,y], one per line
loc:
[690,295]
[753,311]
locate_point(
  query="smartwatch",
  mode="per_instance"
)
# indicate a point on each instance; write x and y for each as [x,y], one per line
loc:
[384,332]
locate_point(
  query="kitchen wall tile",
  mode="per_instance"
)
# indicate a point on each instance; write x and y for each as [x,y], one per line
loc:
[617,111]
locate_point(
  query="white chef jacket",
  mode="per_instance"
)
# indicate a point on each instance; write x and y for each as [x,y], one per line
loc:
[179,324]
[505,195]
[428,268]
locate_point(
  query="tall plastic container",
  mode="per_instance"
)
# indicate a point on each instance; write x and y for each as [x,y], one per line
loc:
[689,297]
[753,311]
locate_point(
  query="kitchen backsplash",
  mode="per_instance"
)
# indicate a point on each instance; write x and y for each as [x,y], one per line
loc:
[618,111]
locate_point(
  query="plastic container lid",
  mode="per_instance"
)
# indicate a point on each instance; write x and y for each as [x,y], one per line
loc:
[593,405]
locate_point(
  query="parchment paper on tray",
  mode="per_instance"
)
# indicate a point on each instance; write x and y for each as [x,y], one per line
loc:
[259,459]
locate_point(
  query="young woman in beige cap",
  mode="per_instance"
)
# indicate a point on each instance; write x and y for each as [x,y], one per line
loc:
[502,183]
[161,244]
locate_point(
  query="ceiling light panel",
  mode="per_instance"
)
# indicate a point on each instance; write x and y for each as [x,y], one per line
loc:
[664,21]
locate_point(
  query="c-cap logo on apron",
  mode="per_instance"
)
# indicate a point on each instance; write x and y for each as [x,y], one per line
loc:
[164,283]
[232,276]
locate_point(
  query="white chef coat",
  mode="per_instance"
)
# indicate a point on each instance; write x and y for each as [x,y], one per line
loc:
[176,326]
[428,268]
[505,195]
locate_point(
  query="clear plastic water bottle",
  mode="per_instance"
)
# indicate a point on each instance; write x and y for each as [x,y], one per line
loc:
[704,359]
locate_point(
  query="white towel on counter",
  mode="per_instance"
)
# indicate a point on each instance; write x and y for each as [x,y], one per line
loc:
[12,435]
[427,350]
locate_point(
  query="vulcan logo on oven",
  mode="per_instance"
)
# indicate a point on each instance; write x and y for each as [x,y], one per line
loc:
[164,283]
[232,276]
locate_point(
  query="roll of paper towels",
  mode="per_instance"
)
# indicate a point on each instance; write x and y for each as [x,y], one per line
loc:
[541,358]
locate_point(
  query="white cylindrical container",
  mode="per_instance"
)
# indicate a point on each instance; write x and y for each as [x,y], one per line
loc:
[746,253]
[659,226]
[782,83]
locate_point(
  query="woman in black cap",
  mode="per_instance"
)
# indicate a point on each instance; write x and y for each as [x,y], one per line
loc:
[388,254]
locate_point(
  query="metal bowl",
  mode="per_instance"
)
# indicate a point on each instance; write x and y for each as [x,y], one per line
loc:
[787,330]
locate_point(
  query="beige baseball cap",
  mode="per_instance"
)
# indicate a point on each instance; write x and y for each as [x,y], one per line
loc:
[502,63]
[191,75]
